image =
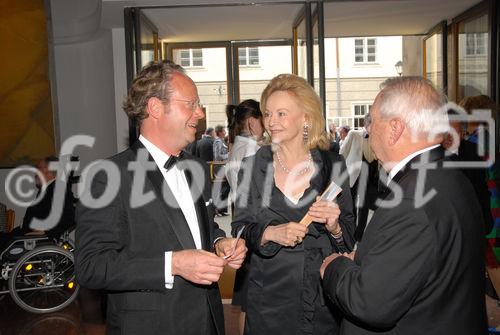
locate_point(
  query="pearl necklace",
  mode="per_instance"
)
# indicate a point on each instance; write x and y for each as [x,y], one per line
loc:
[287,171]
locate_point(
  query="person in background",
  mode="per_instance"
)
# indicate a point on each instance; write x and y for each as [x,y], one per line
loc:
[221,185]
[220,147]
[334,138]
[160,261]
[343,131]
[361,161]
[284,287]
[192,148]
[246,131]
[45,181]
[477,147]
[205,146]
[466,151]
[420,265]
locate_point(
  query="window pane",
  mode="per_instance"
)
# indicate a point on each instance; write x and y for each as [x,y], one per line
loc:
[371,58]
[197,53]
[253,52]
[185,62]
[469,40]
[473,72]
[371,41]
[481,44]
[359,59]
[358,42]
[242,56]
[254,60]
[184,53]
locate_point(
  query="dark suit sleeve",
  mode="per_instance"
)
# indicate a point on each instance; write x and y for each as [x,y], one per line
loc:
[102,260]
[380,291]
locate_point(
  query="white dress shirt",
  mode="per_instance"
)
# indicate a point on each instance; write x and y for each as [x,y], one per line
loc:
[405,161]
[177,182]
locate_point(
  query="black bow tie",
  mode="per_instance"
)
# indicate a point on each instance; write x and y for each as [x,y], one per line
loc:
[172,160]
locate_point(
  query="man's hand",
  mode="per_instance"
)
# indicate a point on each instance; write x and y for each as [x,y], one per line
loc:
[197,266]
[330,259]
[224,248]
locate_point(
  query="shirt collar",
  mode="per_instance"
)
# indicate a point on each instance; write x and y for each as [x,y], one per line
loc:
[158,155]
[405,161]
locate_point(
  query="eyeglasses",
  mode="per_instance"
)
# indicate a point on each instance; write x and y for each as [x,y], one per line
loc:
[193,105]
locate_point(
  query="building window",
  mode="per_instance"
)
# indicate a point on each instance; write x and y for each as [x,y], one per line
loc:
[475,44]
[365,50]
[191,57]
[248,56]
[359,111]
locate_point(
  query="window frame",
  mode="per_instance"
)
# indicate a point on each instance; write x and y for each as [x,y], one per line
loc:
[359,119]
[365,54]
[247,56]
[475,45]
[191,58]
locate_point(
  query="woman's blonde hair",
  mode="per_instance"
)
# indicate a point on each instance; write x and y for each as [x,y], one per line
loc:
[307,99]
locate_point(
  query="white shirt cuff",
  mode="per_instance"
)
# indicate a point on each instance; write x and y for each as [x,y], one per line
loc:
[169,279]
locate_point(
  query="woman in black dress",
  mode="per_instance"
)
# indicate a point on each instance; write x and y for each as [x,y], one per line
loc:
[276,188]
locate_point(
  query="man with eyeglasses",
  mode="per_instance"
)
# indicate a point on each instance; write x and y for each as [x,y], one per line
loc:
[155,246]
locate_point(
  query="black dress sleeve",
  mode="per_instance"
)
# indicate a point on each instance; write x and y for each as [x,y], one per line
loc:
[246,208]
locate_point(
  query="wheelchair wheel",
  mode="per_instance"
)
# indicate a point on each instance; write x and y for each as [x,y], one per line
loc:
[43,280]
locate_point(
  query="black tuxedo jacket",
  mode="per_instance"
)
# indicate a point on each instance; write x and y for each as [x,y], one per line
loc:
[417,270]
[120,248]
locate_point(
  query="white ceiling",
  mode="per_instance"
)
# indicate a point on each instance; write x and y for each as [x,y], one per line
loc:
[270,21]
[403,17]
[224,23]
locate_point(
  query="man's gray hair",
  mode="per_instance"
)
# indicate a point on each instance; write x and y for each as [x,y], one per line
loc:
[417,103]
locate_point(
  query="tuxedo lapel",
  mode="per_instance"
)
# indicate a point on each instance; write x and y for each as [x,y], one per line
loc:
[201,211]
[174,214]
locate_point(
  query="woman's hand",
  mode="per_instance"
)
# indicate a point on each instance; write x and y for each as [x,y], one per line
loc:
[288,234]
[326,212]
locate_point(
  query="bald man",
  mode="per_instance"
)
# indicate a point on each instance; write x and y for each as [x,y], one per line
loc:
[420,266]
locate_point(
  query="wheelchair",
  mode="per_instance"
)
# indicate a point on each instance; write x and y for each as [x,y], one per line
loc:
[39,272]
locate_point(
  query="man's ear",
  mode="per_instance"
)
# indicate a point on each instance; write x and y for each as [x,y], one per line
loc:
[154,107]
[396,128]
